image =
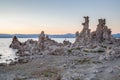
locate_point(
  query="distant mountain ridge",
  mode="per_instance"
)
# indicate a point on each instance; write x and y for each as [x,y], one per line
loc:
[116,35]
[68,35]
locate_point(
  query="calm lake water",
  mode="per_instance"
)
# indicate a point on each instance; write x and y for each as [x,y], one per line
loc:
[8,53]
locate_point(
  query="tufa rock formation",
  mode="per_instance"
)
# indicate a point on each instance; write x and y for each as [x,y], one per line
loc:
[102,32]
[16,44]
[41,40]
[101,35]
[83,38]
[44,45]
[86,41]
[93,56]
[98,41]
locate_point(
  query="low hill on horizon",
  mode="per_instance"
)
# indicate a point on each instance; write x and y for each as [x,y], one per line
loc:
[68,35]
[116,35]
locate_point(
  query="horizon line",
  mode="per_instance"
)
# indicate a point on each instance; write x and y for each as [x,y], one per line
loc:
[46,34]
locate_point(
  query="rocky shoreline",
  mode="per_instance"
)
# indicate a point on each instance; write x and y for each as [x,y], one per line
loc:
[93,56]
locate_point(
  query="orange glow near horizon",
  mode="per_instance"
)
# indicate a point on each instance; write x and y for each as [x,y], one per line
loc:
[36,31]
[47,31]
[19,27]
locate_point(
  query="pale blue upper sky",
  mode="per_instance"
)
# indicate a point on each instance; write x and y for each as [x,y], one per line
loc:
[56,16]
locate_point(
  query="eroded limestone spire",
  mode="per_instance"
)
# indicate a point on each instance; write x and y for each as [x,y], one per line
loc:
[86,23]
[84,36]
[102,33]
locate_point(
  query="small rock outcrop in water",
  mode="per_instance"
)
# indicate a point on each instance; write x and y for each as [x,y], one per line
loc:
[16,44]
[44,45]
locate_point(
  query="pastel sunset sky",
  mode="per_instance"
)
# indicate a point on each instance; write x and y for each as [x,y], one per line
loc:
[56,16]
